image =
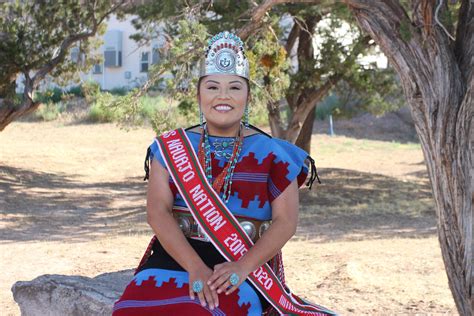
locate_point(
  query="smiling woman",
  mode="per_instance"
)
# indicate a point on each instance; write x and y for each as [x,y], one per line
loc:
[222,201]
[223,99]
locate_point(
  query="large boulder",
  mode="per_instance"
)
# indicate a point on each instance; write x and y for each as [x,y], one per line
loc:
[52,294]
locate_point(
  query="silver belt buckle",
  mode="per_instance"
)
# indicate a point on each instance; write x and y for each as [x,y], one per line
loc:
[185,224]
[249,229]
[265,225]
[202,234]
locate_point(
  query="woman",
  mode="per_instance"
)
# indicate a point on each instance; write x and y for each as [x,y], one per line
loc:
[214,250]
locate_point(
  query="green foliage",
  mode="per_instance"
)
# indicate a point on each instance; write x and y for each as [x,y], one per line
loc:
[339,47]
[53,95]
[375,92]
[258,115]
[269,69]
[121,91]
[162,113]
[102,111]
[56,94]
[91,90]
[328,107]
[34,33]
[75,91]
[449,16]
[49,111]
[405,30]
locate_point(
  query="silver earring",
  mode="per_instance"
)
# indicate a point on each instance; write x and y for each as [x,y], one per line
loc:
[246,117]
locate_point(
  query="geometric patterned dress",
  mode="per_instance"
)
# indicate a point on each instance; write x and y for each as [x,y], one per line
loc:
[266,166]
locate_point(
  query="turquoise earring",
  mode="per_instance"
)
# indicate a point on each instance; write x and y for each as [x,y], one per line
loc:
[246,117]
[201,118]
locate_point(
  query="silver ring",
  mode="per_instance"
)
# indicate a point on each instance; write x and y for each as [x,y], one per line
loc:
[234,278]
[198,286]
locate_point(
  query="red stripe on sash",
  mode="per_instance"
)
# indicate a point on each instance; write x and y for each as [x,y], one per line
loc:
[223,229]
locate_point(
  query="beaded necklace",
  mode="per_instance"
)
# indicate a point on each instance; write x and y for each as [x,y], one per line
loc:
[224,179]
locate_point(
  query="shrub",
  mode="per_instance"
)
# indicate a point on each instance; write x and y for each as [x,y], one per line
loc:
[51,95]
[150,105]
[119,91]
[327,107]
[49,111]
[102,111]
[258,115]
[76,91]
[91,90]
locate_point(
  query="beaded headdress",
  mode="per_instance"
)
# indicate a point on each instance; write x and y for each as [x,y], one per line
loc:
[225,55]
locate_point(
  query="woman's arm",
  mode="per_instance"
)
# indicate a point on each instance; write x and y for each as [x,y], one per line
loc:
[283,227]
[284,222]
[159,205]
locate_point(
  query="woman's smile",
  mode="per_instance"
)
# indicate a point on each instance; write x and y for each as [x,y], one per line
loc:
[223,108]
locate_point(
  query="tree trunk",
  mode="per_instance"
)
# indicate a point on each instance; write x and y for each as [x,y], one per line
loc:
[274,118]
[9,112]
[440,92]
[304,138]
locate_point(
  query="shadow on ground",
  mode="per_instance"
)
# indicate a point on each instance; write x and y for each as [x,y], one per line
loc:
[347,205]
[54,206]
[354,205]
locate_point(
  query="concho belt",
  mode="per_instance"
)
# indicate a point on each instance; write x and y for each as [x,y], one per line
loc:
[253,227]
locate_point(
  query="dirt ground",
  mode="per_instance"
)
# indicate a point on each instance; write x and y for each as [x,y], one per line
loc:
[72,201]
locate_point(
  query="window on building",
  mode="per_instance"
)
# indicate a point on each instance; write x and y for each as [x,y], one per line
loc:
[97,69]
[75,54]
[155,56]
[144,62]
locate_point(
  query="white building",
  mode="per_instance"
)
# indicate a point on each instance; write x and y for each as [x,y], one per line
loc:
[125,63]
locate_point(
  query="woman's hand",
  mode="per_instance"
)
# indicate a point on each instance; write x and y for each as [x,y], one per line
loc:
[220,278]
[203,274]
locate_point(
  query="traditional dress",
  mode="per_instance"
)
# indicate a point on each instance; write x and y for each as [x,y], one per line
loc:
[265,168]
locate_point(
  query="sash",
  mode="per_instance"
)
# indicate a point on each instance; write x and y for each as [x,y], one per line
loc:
[222,228]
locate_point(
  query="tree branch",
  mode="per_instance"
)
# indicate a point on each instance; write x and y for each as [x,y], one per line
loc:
[294,33]
[67,42]
[464,45]
[303,109]
[439,23]
[259,12]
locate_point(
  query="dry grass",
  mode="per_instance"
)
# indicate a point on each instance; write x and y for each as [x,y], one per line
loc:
[72,202]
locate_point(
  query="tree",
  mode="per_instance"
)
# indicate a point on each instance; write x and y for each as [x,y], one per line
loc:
[434,59]
[35,40]
[271,42]
[436,74]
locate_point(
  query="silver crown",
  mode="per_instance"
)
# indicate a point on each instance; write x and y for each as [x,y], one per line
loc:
[225,55]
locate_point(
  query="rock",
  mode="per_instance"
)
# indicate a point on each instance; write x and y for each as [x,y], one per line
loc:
[52,294]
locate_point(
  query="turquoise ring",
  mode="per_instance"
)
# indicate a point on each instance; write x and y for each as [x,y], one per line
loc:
[234,279]
[198,286]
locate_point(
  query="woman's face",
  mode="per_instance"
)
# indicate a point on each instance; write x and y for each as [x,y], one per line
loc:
[222,99]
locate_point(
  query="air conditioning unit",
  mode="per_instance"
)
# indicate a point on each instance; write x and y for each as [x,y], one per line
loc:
[113,49]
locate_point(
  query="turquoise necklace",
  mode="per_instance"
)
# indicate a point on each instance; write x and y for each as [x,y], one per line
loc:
[227,173]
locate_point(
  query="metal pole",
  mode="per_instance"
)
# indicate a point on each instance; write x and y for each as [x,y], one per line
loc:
[331,129]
